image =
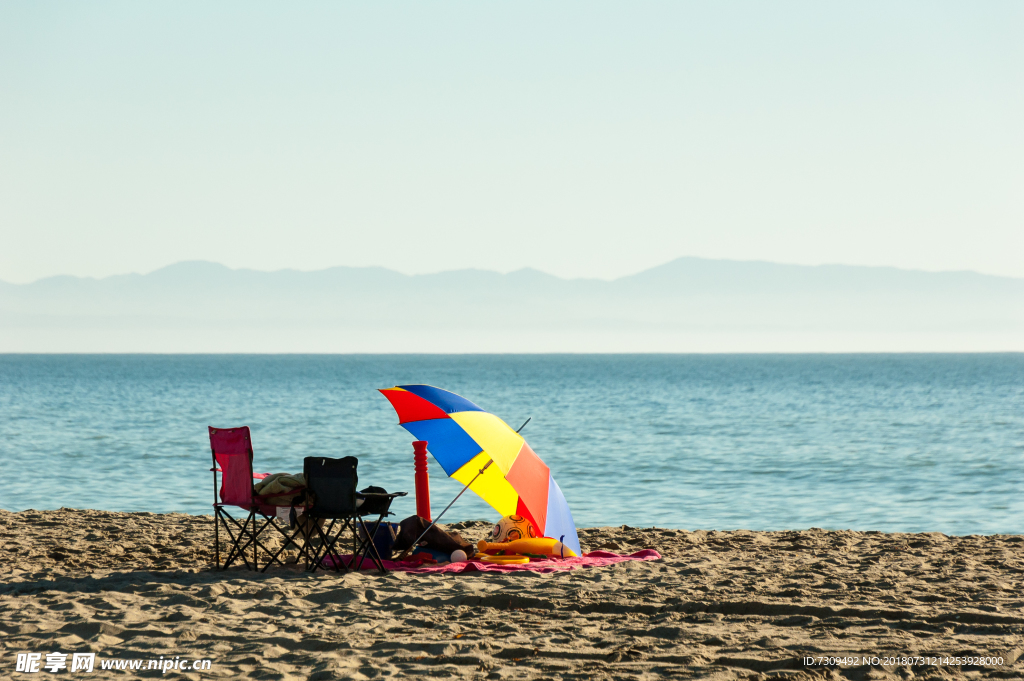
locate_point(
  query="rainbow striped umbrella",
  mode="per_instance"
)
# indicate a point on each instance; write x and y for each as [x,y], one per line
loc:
[463,437]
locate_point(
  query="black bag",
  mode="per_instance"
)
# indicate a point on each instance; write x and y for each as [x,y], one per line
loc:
[383,539]
[373,506]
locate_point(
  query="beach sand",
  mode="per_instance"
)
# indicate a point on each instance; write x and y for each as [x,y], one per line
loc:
[720,605]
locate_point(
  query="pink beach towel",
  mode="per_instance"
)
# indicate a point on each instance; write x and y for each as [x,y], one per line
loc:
[592,559]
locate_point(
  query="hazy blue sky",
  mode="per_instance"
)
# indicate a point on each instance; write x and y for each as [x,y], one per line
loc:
[583,139]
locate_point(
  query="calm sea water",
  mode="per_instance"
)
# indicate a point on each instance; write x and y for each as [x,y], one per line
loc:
[884,442]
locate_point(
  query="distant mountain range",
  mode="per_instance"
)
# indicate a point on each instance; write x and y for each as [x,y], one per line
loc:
[687,305]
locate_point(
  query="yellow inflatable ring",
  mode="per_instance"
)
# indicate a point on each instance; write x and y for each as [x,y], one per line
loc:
[505,560]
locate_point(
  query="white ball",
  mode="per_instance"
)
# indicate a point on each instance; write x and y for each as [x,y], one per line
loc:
[458,556]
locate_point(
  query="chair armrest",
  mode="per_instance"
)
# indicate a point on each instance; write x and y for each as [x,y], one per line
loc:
[255,476]
[379,495]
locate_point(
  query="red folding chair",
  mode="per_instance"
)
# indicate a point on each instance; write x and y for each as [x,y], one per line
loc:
[232,458]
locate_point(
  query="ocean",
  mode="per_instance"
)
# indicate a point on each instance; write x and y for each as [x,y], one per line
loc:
[907,443]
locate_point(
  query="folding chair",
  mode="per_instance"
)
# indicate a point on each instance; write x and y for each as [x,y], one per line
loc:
[332,483]
[232,458]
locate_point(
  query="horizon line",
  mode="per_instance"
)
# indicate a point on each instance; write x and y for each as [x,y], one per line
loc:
[776,353]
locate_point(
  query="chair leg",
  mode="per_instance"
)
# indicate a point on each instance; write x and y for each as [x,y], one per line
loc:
[250,525]
[321,552]
[346,525]
[248,535]
[340,538]
[245,531]
[331,543]
[308,535]
[224,517]
[361,547]
[287,541]
[370,546]
[237,547]
[314,550]
[274,558]
[257,545]
[216,534]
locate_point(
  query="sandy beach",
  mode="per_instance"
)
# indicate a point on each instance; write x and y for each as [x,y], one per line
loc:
[719,605]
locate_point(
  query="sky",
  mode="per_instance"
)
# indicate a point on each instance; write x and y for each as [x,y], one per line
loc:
[584,139]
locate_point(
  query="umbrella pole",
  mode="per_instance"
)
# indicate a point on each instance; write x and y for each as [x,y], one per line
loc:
[432,522]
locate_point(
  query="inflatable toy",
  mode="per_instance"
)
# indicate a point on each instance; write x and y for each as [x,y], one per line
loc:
[512,527]
[538,546]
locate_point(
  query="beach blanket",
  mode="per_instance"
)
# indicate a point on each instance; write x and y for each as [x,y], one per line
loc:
[592,559]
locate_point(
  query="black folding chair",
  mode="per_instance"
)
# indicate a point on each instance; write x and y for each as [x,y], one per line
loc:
[332,485]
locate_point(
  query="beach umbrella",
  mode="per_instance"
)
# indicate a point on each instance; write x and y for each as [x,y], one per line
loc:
[464,439]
